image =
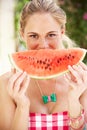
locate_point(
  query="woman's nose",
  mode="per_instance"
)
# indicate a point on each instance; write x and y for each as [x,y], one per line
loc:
[43,43]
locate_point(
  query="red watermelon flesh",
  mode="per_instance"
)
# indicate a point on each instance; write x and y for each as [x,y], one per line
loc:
[46,63]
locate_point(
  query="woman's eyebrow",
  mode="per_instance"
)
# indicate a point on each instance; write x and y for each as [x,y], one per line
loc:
[52,32]
[38,33]
[32,33]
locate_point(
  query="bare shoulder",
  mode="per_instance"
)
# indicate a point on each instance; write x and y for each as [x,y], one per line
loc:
[83,100]
[7,107]
[3,83]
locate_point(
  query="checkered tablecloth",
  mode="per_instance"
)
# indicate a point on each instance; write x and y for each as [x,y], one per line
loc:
[56,121]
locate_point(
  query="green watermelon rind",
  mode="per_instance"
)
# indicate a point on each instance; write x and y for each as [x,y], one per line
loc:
[44,77]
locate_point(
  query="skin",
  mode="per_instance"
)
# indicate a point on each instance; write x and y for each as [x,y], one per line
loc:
[20,95]
[37,35]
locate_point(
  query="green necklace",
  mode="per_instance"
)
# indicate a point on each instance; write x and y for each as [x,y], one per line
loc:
[51,98]
[45,98]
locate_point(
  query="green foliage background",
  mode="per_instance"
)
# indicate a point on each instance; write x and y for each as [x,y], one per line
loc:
[76,26]
[18,8]
[76,23]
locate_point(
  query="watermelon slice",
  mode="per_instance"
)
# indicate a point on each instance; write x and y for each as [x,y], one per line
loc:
[46,63]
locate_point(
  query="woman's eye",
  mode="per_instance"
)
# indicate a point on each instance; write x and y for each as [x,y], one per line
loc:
[52,35]
[33,36]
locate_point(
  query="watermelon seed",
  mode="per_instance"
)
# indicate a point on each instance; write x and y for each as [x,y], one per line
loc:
[68,57]
[73,57]
[45,59]
[48,60]
[37,61]
[38,67]
[43,62]
[46,67]
[65,57]
[33,59]
[40,61]
[58,61]
[25,57]
[50,69]
[41,67]
[22,57]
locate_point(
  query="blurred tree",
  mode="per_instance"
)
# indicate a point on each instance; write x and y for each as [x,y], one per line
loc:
[18,8]
[76,11]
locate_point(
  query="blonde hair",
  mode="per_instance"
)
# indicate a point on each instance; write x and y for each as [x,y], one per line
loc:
[45,6]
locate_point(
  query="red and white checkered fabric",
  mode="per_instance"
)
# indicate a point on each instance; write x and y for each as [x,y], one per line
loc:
[56,121]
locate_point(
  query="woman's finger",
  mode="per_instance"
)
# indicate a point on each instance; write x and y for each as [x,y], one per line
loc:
[25,85]
[12,80]
[82,72]
[84,66]
[74,75]
[79,69]
[18,83]
[69,80]
[13,70]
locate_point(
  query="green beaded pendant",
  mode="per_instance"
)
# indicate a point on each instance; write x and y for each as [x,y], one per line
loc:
[51,98]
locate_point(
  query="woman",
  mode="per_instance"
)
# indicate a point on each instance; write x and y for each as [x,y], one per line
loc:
[42,26]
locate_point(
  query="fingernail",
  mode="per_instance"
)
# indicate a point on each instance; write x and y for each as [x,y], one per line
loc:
[25,72]
[69,66]
[73,65]
[21,71]
[13,70]
[28,77]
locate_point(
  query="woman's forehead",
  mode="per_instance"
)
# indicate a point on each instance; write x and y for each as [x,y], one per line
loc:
[42,22]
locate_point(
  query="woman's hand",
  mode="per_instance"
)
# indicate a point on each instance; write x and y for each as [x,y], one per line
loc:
[17,86]
[77,80]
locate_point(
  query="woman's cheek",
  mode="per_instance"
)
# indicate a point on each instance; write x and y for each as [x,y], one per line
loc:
[31,46]
[55,44]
